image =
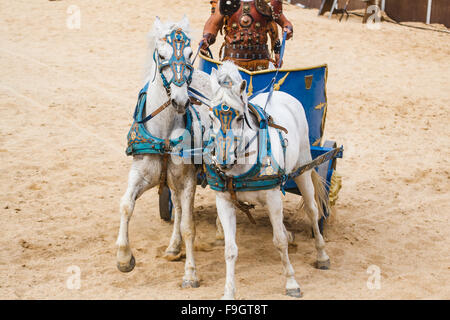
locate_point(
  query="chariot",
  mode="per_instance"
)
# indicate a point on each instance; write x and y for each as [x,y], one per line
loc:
[308,85]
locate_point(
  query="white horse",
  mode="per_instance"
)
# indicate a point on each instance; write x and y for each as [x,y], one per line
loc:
[229,91]
[168,75]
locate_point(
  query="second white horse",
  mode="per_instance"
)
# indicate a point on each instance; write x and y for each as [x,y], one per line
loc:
[231,121]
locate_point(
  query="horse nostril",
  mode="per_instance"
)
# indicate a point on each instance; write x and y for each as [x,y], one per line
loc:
[187,104]
[174,104]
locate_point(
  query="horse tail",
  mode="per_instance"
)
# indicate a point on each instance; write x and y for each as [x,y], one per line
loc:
[321,194]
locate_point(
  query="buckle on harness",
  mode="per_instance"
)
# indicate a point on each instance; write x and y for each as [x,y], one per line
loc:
[167,147]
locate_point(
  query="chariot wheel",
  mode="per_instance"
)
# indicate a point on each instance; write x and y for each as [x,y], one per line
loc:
[165,204]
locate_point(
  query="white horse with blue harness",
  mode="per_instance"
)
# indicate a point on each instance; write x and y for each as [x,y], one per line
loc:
[155,143]
[249,159]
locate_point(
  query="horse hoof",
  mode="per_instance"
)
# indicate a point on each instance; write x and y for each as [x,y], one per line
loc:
[127,267]
[172,255]
[190,284]
[227,297]
[296,293]
[323,265]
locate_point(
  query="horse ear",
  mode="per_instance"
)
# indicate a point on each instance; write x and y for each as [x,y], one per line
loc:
[239,89]
[214,74]
[158,25]
[243,86]
[214,82]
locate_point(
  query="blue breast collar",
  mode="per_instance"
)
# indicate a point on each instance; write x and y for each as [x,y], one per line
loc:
[140,141]
[265,174]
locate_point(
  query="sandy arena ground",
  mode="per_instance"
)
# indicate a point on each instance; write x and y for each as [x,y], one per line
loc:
[66,103]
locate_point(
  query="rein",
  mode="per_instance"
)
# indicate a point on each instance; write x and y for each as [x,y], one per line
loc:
[272,82]
[154,113]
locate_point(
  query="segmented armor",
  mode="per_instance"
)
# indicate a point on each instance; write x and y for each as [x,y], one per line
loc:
[247,26]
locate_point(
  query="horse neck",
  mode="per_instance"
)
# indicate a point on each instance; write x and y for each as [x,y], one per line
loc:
[163,124]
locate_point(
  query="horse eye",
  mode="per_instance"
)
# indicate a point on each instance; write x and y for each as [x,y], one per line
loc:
[240,118]
[161,57]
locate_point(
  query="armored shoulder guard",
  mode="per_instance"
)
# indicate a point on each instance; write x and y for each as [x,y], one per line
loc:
[263,7]
[229,7]
[277,9]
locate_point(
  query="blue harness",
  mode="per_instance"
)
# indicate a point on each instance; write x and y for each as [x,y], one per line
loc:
[265,174]
[140,141]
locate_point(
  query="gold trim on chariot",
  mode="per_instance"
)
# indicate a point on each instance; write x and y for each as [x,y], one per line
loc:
[308,81]
[320,106]
[317,142]
[278,85]
[252,73]
[250,87]
[324,117]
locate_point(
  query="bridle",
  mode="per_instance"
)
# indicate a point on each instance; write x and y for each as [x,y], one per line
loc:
[178,40]
[225,114]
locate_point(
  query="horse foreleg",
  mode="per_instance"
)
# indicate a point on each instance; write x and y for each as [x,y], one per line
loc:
[227,215]
[174,247]
[136,186]
[187,227]
[306,187]
[280,240]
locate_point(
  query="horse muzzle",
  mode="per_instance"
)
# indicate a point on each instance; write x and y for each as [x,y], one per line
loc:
[180,108]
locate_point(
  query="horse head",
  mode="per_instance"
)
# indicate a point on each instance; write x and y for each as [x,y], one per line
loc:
[172,57]
[228,114]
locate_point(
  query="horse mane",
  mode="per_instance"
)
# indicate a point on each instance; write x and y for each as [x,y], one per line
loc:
[159,30]
[228,71]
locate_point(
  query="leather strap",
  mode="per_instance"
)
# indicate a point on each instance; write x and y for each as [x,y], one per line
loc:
[317,161]
[276,126]
[239,204]
[156,112]
[195,101]
[269,118]
[165,160]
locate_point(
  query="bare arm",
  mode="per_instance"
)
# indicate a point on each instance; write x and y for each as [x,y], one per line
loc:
[281,19]
[212,27]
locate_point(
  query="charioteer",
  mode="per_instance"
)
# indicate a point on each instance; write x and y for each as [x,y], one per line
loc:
[247,25]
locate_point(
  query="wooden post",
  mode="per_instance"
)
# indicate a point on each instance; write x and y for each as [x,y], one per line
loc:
[430,3]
